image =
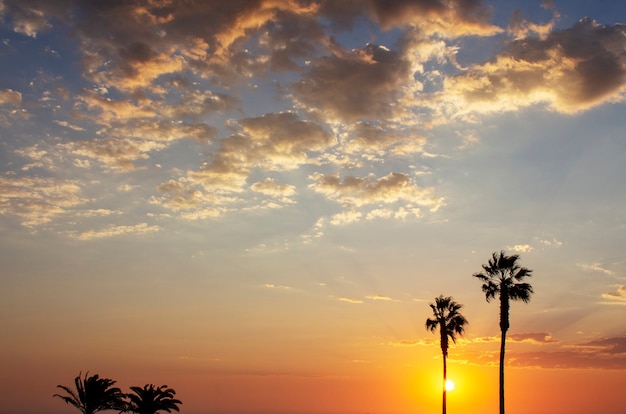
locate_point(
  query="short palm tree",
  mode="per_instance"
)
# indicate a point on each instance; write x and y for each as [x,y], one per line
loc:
[151,399]
[503,277]
[93,394]
[446,317]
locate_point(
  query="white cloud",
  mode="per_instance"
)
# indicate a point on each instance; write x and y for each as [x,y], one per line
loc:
[521,248]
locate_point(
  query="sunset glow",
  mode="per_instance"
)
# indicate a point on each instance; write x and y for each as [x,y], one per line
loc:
[255,202]
[449,385]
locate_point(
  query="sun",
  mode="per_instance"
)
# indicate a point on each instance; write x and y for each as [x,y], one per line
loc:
[449,385]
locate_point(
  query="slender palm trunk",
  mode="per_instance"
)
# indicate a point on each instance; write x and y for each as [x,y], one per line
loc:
[504,326]
[502,348]
[445,379]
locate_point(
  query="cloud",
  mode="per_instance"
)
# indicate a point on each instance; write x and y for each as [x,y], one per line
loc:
[376,139]
[617,296]
[355,191]
[117,153]
[605,353]
[534,338]
[520,27]
[28,21]
[282,140]
[113,231]
[268,186]
[10,97]
[36,201]
[446,18]
[381,298]
[421,342]
[272,142]
[279,287]
[351,300]
[155,73]
[595,267]
[521,248]
[353,85]
[570,70]
[551,243]
[346,217]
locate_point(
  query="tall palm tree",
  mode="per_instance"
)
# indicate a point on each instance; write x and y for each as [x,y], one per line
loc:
[502,276]
[151,399]
[446,317]
[93,394]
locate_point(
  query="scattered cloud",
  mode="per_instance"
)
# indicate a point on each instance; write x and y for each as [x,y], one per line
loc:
[278,287]
[595,267]
[356,191]
[606,353]
[617,296]
[269,186]
[381,298]
[551,243]
[534,338]
[421,342]
[521,248]
[10,97]
[113,231]
[36,200]
[351,300]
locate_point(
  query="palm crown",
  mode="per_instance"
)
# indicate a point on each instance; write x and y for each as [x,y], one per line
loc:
[151,399]
[446,317]
[93,394]
[502,276]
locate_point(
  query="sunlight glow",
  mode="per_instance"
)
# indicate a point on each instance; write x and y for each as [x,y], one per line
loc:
[449,385]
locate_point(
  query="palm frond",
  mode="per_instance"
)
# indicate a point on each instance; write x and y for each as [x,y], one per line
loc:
[447,317]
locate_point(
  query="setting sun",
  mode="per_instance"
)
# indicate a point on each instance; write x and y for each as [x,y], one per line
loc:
[449,385]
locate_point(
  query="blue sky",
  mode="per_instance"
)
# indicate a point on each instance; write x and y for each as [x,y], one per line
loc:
[339,163]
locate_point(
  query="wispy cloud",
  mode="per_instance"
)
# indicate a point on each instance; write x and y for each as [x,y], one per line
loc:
[278,287]
[113,231]
[351,300]
[381,298]
[606,353]
[617,297]
[595,267]
[534,338]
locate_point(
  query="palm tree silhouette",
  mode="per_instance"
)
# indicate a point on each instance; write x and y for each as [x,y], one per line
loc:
[446,317]
[151,399]
[502,276]
[93,394]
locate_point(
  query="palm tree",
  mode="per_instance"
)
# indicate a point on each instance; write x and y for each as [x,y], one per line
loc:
[93,394]
[447,317]
[502,276]
[151,399]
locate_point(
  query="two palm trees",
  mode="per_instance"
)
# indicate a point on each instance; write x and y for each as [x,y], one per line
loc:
[501,277]
[95,394]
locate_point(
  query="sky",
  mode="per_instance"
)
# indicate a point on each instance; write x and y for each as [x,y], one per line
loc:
[254,202]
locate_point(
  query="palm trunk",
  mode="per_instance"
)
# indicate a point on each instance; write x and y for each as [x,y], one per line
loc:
[445,379]
[504,326]
[502,348]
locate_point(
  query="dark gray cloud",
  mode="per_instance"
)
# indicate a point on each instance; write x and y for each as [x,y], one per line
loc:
[354,85]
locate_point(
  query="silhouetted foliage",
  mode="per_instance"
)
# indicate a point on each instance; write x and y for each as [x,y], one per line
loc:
[151,399]
[93,394]
[503,277]
[448,318]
